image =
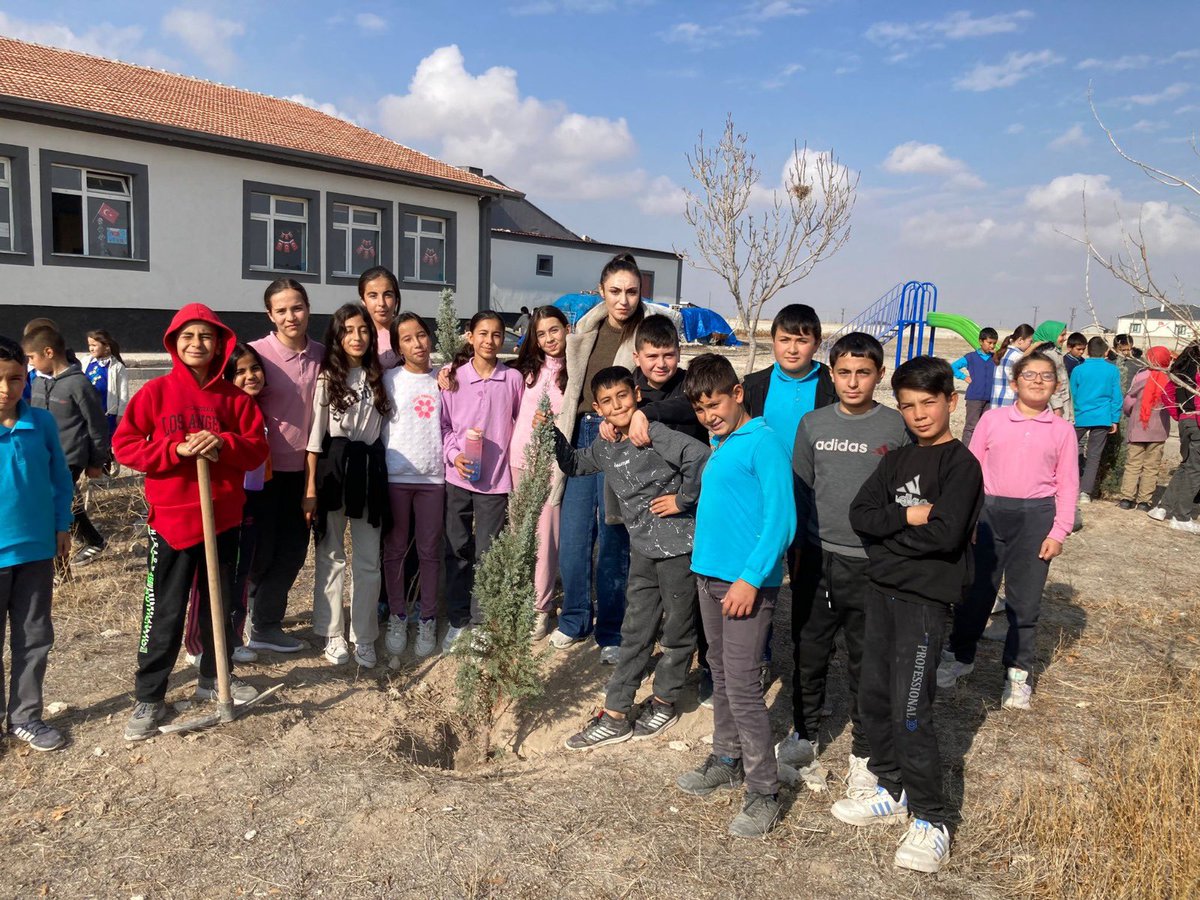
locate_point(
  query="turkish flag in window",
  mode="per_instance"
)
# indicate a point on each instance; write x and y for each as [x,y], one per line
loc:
[108,214]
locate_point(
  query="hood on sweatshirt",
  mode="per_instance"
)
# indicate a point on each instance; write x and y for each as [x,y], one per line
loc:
[198,312]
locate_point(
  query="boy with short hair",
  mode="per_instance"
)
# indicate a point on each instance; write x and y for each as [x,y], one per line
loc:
[63,389]
[916,514]
[659,378]
[37,483]
[837,448]
[1076,350]
[657,487]
[978,370]
[1096,393]
[191,411]
[745,522]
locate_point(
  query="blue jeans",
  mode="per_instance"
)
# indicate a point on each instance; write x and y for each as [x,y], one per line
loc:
[582,528]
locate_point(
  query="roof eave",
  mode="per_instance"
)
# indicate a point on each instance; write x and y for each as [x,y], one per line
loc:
[56,114]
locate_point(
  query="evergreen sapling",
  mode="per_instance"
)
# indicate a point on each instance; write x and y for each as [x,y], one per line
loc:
[449,330]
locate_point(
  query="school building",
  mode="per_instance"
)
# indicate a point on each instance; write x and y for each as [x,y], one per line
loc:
[126,191]
[1172,327]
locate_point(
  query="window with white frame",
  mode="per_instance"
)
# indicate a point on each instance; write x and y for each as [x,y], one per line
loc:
[1135,328]
[423,250]
[91,212]
[7,219]
[357,239]
[278,233]
[1181,330]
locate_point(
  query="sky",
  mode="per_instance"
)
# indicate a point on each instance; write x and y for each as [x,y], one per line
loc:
[968,128]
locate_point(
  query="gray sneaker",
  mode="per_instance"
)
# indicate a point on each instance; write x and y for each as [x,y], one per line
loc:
[144,721]
[760,813]
[713,774]
[656,717]
[38,735]
[206,689]
[601,729]
[274,638]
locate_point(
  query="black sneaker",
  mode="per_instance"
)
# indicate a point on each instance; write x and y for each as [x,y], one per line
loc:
[38,735]
[1144,507]
[656,718]
[760,813]
[601,729]
[86,556]
[1126,504]
[239,691]
[714,773]
[144,721]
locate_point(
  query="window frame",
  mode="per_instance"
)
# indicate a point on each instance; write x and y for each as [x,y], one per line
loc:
[387,238]
[139,210]
[1182,330]
[312,273]
[647,285]
[20,204]
[547,258]
[1135,327]
[450,218]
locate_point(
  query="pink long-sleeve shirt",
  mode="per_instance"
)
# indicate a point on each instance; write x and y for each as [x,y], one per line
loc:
[488,403]
[1028,459]
[547,381]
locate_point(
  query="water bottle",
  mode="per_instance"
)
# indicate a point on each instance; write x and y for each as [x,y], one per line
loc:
[473,451]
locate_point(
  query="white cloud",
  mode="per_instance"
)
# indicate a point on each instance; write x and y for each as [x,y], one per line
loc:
[777,9]
[1071,138]
[1170,92]
[1147,126]
[103,39]
[207,36]
[1016,67]
[955,26]
[1014,128]
[915,158]
[370,22]
[328,108]
[661,197]
[956,229]
[537,146]
[1137,61]
[549,7]
[692,35]
[782,77]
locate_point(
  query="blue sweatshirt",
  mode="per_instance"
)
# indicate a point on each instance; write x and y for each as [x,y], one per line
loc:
[1096,393]
[747,514]
[982,370]
[33,474]
[789,400]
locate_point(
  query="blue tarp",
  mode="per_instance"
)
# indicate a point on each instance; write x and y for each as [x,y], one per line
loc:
[697,324]
[576,305]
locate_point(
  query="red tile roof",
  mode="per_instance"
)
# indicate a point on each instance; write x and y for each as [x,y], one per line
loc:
[47,75]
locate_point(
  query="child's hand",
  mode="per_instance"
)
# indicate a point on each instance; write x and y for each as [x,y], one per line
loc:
[918,515]
[664,506]
[62,544]
[463,466]
[739,600]
[444,379]
[639,429]
[539,418]
[608,433]
[967,378]
[1050,549]
[309,506]
[1112,429]
[201,443]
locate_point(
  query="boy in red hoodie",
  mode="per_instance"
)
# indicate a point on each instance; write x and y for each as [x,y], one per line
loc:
[192,411]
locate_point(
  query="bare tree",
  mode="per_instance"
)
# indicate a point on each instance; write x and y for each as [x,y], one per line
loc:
[759,254]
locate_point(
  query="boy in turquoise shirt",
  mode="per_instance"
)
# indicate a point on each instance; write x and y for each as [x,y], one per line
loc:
[745,521]
[33,474]
[1096,394]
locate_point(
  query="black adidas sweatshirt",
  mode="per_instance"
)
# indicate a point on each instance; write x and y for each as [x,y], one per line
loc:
[932,562]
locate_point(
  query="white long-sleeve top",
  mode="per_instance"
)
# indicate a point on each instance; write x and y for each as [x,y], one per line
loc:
[412,436]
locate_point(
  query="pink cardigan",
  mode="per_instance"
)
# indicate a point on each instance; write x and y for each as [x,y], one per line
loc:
[523,427]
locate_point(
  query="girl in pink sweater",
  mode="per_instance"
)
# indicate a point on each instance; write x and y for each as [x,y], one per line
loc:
[542,363]
[1030,482]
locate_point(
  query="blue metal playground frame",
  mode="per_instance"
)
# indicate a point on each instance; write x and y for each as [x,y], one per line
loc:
[899,314]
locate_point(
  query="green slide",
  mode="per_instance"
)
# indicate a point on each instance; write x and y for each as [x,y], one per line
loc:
[960,325]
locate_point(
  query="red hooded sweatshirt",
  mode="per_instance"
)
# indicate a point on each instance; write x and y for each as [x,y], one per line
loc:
[168,408]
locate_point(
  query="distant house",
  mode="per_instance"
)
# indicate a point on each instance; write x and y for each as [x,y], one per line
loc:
[1172,327]
[536,259]
[126,191]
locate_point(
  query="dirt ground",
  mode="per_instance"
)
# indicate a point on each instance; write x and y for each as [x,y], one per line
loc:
[354,783]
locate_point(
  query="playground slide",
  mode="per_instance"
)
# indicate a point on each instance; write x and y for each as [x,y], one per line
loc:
[960,325]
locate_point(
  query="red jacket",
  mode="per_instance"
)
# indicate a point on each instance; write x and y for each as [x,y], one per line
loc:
[161,415]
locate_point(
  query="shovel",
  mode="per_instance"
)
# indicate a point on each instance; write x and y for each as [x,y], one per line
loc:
[226,712]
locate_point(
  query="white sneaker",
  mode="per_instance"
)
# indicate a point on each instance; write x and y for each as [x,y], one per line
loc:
[1017,692]
[1085,498]
[560,641]
[396,641]
[244,654]
[337,651]
[541,626]
[950,670]
[923,848]
[609,656]
[860,778]
[1191,526]
[870,807]
[1158,514]
[364,655]
[426,637]
[795,752]
[451,638]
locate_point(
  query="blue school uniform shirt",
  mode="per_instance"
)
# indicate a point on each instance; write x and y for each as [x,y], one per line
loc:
[788,401]
[982,370]
[746,517]
[1096,393]
[33,473]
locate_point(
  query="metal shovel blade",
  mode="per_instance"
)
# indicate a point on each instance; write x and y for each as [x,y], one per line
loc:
[214,718]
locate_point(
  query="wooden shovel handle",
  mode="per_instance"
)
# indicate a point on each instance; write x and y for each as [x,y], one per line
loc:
[215,599]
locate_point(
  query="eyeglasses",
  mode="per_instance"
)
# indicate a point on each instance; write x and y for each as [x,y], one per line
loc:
[1039,376]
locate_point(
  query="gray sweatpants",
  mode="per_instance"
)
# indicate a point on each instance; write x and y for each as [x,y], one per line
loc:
[657,590]
[741,725]
[25,602]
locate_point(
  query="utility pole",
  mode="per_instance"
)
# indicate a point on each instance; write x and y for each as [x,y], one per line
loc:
[842,320]
[1035,312]
[1072,318]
